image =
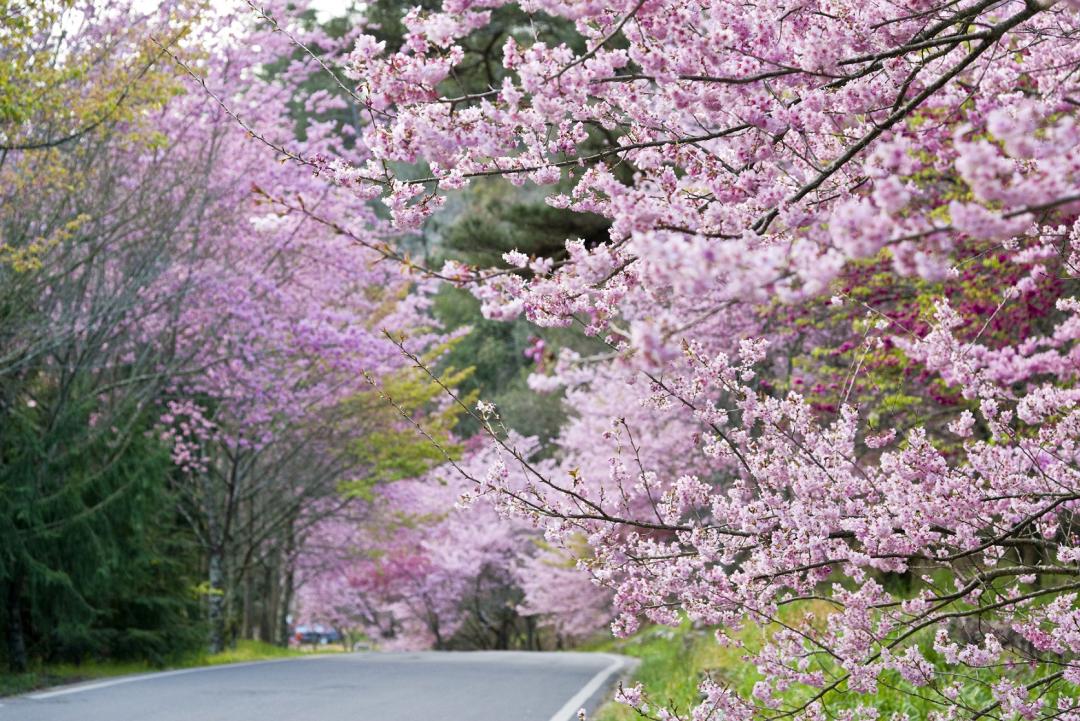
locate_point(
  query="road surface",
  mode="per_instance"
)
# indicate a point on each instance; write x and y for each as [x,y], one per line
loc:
[478,686]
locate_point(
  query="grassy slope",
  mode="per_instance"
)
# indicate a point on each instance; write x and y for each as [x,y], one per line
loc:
[674,660]
[55,675]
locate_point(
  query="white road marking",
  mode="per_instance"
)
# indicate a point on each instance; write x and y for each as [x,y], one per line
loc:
[159,674]
[569,710]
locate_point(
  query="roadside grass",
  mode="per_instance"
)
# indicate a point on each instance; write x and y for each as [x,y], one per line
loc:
[47,675]
[245,651]
[675,660]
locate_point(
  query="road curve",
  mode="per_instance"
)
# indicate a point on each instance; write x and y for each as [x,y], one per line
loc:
[477,686]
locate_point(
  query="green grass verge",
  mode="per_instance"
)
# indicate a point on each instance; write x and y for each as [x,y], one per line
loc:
[58,674]
[672,661]
[244,651]
[675,660]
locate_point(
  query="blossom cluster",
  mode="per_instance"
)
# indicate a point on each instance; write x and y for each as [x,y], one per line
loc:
[893,185]
[429,564]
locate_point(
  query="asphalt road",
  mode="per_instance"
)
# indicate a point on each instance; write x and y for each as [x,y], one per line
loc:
[479,686]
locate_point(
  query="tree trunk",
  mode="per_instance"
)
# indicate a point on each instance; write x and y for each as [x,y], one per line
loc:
[216,600]
[248,582]
[532,643]
[247,613]
[271,613]
[286,601]
[17,660]
[289,586]
[266,608]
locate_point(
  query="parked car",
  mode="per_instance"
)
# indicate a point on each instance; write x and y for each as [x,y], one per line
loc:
[316,635]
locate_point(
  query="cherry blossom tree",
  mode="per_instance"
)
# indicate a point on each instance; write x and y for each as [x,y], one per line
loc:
[285,319]
[154,275]
[768,169]
[418,569]
[97,213]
